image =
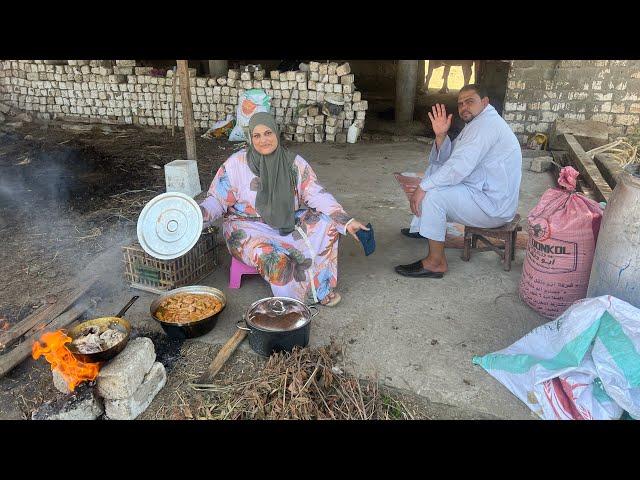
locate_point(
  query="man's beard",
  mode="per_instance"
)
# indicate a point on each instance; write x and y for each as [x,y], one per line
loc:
[471,118]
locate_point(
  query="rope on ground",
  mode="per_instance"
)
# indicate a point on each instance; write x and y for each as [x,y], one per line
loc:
[624,152]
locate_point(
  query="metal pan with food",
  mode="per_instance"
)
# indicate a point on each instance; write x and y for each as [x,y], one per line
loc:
[188,312]
[100,339]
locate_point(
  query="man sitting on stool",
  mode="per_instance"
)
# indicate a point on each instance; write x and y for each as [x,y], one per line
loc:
[474,181]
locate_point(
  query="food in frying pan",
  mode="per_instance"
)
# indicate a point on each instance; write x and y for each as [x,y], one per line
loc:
[187,307]
[92,341]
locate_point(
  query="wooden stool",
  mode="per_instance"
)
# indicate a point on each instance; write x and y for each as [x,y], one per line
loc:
[507,233]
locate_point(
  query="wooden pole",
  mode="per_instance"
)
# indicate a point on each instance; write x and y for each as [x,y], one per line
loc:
[587,168]
[223,355]
[406,79]
[174,114]
[187,109]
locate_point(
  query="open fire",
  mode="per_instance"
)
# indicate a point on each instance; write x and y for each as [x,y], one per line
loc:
[61,359]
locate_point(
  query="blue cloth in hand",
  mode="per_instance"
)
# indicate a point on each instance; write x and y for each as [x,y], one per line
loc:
[367,240]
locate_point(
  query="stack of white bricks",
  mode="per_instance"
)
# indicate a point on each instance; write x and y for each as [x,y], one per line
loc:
[539,92]
[119,92]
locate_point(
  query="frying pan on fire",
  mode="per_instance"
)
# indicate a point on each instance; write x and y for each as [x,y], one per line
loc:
[101,325]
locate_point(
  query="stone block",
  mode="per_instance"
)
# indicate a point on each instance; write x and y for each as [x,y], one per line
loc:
[123,70]
[130,408]
[362,105]
[122,376]
[143,70]
[347,79]
[59,382]
[626,119]
[541,164]
[343,69]
[126,63]
[83,404]
[590,134]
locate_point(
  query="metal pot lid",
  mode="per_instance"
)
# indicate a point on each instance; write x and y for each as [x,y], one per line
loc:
[169,225]
[278,314]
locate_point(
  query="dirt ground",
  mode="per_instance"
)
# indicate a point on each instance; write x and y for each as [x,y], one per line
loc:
[67,196]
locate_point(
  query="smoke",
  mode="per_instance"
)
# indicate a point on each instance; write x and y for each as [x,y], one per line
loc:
[36,188]
[45,196]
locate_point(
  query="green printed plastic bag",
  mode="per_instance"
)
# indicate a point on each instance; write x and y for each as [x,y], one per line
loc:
[584,365]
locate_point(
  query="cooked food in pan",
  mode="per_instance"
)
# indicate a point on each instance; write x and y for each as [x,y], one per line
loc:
[187,307]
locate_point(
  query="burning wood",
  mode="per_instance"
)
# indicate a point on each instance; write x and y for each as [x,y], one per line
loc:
[61,359]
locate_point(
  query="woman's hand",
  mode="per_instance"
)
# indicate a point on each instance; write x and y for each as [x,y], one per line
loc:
[353,227]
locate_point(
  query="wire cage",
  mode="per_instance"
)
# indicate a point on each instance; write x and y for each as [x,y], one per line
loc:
[150,274]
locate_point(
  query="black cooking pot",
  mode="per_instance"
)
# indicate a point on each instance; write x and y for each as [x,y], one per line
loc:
[189,329]
[277,324]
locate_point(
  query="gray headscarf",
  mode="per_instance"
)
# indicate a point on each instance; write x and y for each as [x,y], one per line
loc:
[275,197]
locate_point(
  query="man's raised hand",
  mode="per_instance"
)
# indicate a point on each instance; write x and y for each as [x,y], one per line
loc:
[440,122]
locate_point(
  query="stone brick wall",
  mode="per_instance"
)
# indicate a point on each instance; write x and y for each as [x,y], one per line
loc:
[539,91]
[120,92]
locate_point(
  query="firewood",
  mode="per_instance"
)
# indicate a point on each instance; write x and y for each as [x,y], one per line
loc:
[21,352]
[41,318]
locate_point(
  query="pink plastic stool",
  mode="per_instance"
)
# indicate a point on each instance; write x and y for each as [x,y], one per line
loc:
[237,270]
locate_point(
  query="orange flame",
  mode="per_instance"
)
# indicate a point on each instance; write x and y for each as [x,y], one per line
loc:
[61,359]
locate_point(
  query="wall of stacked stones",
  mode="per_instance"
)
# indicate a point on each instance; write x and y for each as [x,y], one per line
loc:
[120,92]
[540,91]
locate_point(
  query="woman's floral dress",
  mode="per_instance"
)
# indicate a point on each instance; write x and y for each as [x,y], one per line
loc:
[302,264]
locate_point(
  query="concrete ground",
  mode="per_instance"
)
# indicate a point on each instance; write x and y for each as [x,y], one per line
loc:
[415,334]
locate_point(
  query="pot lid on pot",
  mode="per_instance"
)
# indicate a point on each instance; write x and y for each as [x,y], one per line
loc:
[278,314]
[169,225]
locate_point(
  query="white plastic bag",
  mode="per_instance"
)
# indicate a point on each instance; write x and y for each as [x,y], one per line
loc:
[584,365]
[250,102]
[352,133]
